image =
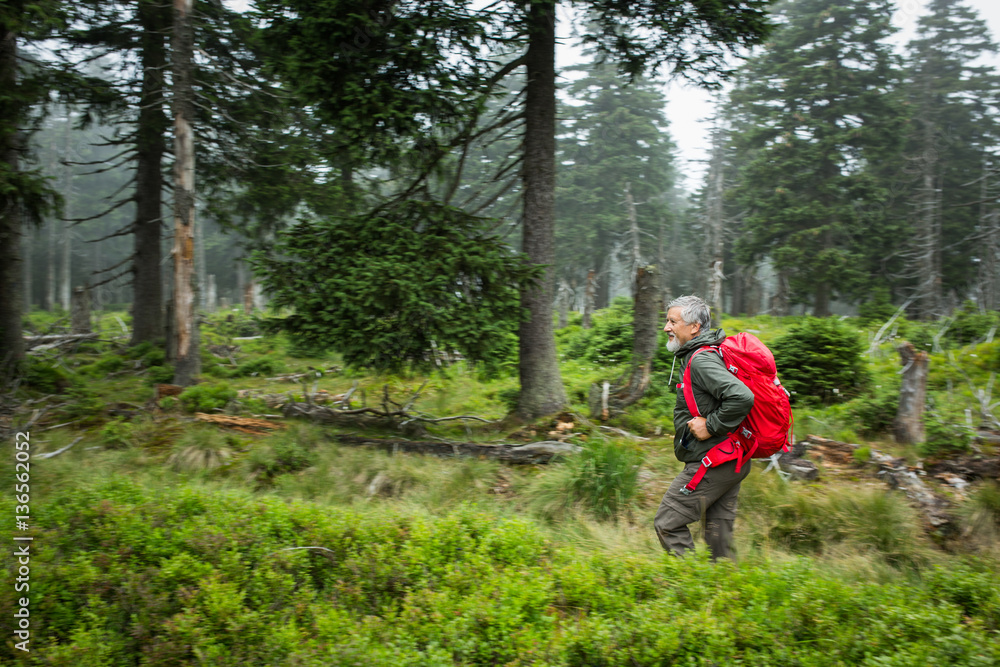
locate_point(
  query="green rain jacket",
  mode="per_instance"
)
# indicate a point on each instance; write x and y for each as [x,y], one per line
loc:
[722,399]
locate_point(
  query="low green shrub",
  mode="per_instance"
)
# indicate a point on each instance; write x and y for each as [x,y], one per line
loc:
[874,413]
[943,438]
[280,455]
[820,361]
[207,397]
[609,341]
[970,325]
[44,376]
[159,375]
[190,576]
[268,365]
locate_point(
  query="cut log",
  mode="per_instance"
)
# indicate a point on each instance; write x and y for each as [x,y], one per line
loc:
[533,452]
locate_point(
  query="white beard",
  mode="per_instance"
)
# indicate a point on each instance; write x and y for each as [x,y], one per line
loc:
[673,344]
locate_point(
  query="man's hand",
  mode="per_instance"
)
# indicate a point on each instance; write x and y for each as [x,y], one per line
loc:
[697,426]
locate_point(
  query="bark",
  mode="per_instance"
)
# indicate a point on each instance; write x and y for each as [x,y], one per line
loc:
[909,424]
[645,326]
[11,343]
[664,278]
[779,302]
[542,391]
[928,264]
[588,300]
[187,363]
[147,306]
[67,226]
[821,297]
[715,214]
[80,311]
[26,250]
[50,268]
[212,294]
[248,297]
[562,299]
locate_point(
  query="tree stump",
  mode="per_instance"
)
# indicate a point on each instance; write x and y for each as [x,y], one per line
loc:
[80,310]
[909,424]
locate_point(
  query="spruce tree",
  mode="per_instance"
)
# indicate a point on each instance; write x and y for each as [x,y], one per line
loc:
[817,113]
[953,133]
[614,136]
[415,70]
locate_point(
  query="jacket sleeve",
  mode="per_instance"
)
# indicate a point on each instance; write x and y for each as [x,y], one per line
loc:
[735,399]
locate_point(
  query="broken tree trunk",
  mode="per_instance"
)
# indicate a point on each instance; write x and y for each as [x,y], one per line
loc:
[644,327]
[909,424]
[80,310]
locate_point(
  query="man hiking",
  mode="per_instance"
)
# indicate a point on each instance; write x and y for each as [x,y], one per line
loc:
[723,401]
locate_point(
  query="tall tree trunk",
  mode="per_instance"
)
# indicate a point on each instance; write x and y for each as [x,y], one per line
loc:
[187,363]
[147,306]
[661,269]
[11,343]
[65,244]
[779,302]
[928,265]
[27,247]
[715,214]
[50,267]
[588,299]
[563,298]
[542,391]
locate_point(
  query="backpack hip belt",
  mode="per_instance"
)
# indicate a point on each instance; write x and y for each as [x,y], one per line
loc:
[727,450]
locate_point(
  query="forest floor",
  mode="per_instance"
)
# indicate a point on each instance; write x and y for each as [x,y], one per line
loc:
[203,526]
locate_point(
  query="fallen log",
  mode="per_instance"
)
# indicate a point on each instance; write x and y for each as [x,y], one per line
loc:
[242,424]
[969,468]
[533,452]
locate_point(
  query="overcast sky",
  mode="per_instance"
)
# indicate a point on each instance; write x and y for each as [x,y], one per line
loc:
[689,108]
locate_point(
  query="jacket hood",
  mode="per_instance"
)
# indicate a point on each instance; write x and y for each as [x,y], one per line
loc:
[710,337]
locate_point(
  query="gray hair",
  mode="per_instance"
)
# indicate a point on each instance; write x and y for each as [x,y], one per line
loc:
[693,309]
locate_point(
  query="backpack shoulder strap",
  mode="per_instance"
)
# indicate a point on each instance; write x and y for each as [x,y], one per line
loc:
[685,384]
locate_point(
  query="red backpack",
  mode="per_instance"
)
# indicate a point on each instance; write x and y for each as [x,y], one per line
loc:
[768,428]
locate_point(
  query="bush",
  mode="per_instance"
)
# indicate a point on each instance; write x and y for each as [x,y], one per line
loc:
[878,308]
[44,376]
[971,325]
[160,375]
[820,361]
[285,454]
[609,341]
[875,413]
[268,365]
[943,438]
[207,397]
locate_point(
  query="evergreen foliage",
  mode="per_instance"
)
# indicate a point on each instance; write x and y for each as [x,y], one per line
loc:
[820,361]
[817,115]
[384,289]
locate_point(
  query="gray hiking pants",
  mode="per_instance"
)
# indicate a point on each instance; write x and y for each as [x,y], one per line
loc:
[714,500]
